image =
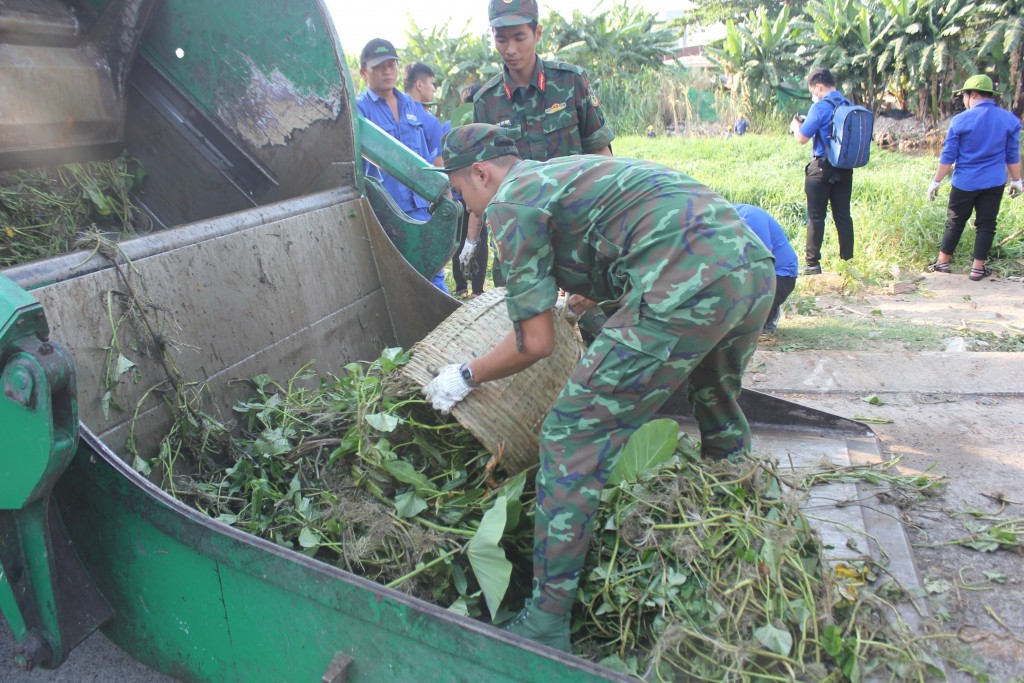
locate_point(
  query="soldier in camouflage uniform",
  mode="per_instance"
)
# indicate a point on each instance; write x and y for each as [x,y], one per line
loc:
[548,108]
[688,287]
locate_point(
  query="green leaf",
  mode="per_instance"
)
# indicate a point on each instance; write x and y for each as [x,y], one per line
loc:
[140,465]
[513,488]
[873,399]
[124,364]
[261,381]
[832,640]
[650,446]
[775,639]
[490,566]
[459,607]
[407,474]
[409,504]
[382,422]
[995,576]
[309,538]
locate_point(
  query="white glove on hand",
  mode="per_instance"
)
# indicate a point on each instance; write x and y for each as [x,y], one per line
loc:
[566,312]
[447,389]
[1016,187]
[466,255]
[933,188]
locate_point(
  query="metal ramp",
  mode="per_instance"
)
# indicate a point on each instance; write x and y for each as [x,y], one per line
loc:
[852,521]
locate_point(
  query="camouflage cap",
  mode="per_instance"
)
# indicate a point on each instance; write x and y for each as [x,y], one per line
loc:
[474,142]
[512,12]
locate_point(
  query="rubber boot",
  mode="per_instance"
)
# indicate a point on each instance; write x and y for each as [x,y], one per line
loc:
[541,626]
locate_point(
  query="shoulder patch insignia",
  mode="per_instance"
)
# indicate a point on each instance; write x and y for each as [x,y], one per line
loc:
[555,108]
[594,99]
[507,123]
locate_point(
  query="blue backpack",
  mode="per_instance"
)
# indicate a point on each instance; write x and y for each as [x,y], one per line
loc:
[849,143]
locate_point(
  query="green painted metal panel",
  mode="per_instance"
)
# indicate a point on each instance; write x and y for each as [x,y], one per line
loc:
[285,40]
[204,602]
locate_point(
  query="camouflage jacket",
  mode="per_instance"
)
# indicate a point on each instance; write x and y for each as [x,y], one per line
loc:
[556,115]
[627,233]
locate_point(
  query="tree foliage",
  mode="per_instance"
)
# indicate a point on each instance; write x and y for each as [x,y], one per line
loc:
[620,40]
[913,53]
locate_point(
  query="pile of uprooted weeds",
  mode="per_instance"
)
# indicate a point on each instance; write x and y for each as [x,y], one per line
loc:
[44,211]
[697,570]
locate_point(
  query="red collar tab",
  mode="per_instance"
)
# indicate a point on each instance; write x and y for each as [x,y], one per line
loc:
[542,81]
[508,90]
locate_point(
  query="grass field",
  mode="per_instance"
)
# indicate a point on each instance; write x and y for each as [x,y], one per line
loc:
[896,227]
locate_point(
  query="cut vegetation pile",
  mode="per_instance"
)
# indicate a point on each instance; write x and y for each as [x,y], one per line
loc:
[697,570]
[44,211]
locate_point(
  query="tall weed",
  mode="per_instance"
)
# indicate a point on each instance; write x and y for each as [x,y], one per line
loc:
[897,229]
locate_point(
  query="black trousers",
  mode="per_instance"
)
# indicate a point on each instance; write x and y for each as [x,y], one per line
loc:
[480,258]
[985,205]
[825,185]
[784,286]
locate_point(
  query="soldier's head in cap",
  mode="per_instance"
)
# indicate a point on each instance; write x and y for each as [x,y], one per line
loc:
[516,34]
[477,157]
[378,65]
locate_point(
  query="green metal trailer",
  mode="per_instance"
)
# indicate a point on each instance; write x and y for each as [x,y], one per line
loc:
[272,249]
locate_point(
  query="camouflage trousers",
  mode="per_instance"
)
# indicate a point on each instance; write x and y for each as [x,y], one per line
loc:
[617,388]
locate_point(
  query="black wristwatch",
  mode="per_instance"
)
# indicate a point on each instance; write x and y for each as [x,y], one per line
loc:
[467,376]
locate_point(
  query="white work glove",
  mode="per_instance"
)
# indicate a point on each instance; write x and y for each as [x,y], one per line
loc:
[447,389]
[1016,187]
[933,188]
[466,255]
[566,312]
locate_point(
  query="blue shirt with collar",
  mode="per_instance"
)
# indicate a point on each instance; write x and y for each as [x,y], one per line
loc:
[433,130]
[773,237]
[818,124]
[980,143]
[409,129]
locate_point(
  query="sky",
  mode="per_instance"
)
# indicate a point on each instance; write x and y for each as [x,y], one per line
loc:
[358,22]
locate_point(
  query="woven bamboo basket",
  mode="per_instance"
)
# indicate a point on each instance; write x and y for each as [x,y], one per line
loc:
[504,415]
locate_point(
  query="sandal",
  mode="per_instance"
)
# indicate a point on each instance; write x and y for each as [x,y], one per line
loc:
[980,273]
[939,267]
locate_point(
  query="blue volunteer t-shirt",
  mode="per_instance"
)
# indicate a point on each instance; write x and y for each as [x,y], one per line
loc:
[818,123]
[773,236]
[981,142]
[433,131]
[409,129]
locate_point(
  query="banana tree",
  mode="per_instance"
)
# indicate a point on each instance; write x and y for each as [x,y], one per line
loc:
[758,56]
[1002,47]
[457,60]
[925,50]
[847,38]
[621,40]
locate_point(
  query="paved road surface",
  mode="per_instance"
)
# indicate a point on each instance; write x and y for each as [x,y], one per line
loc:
[97,660]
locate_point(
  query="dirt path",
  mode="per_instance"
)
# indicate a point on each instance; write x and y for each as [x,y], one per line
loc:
[959,414]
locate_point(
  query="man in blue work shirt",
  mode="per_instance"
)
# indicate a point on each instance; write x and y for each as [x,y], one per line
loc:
[400,117]
[773,237]
[419,85]
[983,143]
[823,183]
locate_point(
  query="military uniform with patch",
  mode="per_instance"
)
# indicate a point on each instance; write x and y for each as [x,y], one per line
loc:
[687,286]
[557,115]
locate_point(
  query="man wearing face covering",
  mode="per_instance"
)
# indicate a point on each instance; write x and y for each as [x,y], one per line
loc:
[823,183]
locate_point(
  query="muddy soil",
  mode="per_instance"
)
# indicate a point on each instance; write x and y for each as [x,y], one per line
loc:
[958,414]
